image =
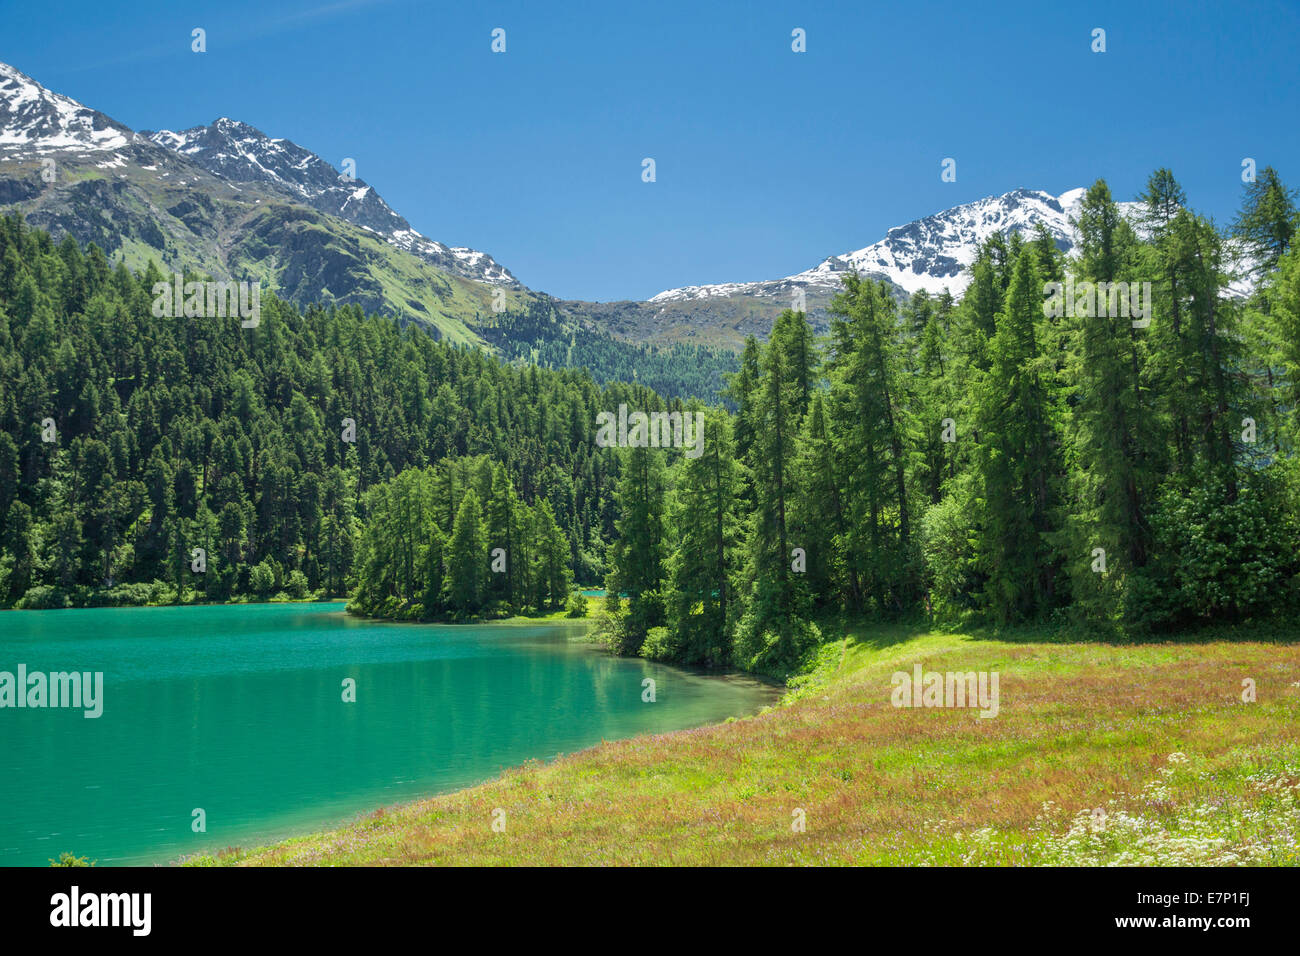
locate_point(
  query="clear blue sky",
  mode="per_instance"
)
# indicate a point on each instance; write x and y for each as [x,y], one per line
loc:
[767,160]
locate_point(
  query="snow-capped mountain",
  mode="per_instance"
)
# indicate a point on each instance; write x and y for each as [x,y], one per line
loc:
[931,253]
[241,153]
[230,202]
[35,120]
[226,198]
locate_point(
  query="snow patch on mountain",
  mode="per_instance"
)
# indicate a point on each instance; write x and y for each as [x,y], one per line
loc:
[35,120]
[242,153]
[930,254]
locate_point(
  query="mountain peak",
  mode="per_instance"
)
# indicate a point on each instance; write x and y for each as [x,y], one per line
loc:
[241,153]
[35,120]
[930,254]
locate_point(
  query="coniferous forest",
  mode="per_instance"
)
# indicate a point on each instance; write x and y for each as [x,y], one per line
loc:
[997,460]
[128,441]
[984,460]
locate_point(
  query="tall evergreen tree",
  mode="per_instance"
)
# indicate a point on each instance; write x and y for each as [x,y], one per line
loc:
[1018,459]
[819,521]
[1267,222]
[868,422]
[1113,434]
[772,630]
[639,550]
[705,530]
[467,558]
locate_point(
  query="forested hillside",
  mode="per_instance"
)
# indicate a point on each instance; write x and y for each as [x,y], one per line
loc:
[1032,454]
[127,441]
[542,334]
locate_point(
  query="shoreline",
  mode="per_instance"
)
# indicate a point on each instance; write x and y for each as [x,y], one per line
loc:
[310,600]
[774,690]
[835,753]
[706,699]
[393,809]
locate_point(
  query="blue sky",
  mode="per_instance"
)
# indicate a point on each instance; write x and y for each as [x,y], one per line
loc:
[767,160]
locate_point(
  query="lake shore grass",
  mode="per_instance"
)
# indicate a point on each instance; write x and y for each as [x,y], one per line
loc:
[1142,754]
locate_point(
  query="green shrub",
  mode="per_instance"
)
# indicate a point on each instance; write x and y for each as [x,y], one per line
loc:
[948,543]
[658,645]
[576,606]
[262,578]
[297,585]
[614,631]
[777,649]
[44,597]
[1217,558]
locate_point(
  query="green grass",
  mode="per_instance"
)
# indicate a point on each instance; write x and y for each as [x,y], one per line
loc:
[1101,754]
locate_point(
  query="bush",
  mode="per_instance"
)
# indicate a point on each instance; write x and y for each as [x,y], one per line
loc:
[297,585]
[658,645]
[44,597]
[576,606]
[67,859]
[948,544]
[160,592]
[262,578]
[776,649]
[615,632]
[1216,559]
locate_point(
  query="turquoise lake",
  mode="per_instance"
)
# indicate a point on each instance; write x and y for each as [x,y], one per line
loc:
[239,711]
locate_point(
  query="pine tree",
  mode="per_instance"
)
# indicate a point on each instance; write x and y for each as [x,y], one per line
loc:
[705,529]
[771,633]
[818,521]
[435,572]
[1283,331]
[740,390]
[554,580]
[1265,228]
[467,558]
[503,528]
[638,552]
[1163,202]
[1115,445]
[869,429]
[1213,342]
[933,425]
[1017,459]
[1267,221]
[792,334]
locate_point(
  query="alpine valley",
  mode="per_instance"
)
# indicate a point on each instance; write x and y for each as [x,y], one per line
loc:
[973,541]
[228,200]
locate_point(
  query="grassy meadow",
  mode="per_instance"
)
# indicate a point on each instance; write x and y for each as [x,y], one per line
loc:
[1101,754]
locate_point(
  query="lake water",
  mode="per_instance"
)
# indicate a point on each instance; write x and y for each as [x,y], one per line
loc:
[239,711]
